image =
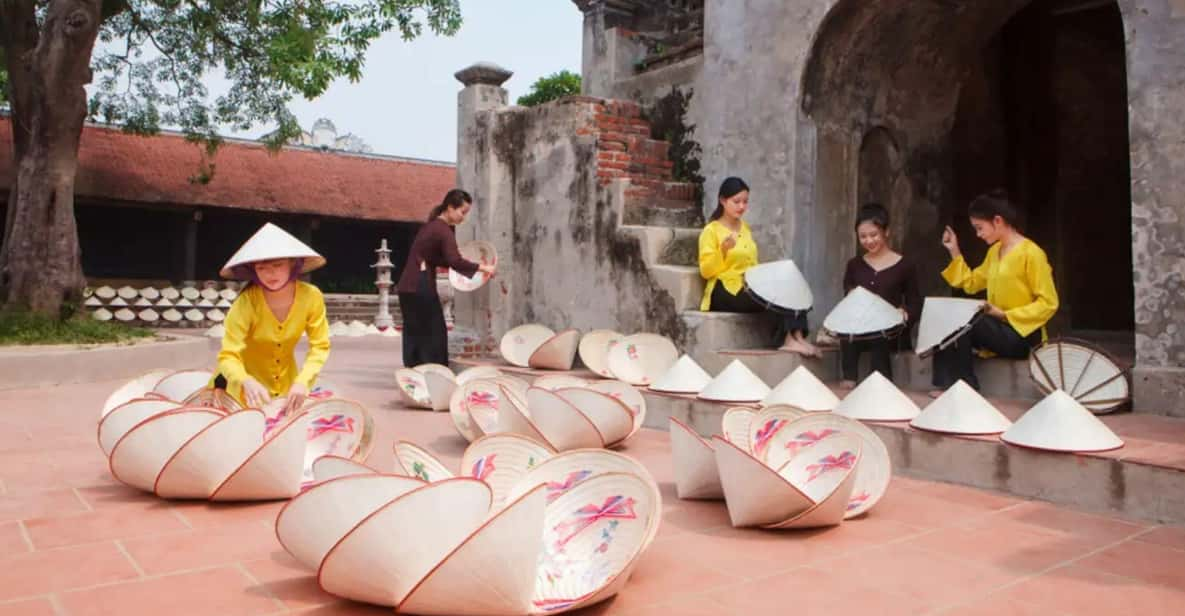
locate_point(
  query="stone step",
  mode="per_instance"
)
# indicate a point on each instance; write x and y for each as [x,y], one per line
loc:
[709,332]
[665,245]
[659,212]
[683,283]
[1145,479]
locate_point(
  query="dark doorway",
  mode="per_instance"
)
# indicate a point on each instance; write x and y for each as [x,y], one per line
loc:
[1044,114]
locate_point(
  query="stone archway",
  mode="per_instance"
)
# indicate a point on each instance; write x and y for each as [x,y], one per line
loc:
[929,98]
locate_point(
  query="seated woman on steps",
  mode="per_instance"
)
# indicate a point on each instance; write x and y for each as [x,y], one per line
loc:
[888,274]
[1021,297]
[726,250]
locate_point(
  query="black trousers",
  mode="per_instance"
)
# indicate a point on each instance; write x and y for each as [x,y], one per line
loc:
[425,335]
[879,354]
[989,333]
[788,322]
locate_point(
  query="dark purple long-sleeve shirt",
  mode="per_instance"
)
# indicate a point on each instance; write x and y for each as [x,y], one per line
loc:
[435,246]
[897,284]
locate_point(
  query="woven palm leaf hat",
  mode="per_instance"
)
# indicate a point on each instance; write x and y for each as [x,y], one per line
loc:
[271,242]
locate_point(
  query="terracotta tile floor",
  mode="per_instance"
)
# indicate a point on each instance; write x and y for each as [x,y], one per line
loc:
[73,542]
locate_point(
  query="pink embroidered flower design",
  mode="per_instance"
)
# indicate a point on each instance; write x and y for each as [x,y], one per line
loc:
[806,439]
[827,464]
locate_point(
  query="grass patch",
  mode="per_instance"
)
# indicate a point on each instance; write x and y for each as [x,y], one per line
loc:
[25,328]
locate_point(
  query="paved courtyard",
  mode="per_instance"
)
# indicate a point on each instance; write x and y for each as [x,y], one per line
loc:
[74,542]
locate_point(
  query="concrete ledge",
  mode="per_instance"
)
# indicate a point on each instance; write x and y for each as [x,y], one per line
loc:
[1158,390]
[41,366]
[1145,479]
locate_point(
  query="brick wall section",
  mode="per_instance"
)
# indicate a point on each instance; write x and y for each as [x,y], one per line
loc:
[625,150]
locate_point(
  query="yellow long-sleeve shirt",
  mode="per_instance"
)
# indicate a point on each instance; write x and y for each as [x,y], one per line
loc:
[1020,284]
[716,267]
[257,344]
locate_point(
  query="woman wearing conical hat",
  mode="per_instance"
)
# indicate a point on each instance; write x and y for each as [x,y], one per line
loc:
[267,319]
[726,250]
[425,335]
[1021,297]
[888,274]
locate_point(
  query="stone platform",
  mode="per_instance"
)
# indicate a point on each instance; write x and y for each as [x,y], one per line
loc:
[1146,478]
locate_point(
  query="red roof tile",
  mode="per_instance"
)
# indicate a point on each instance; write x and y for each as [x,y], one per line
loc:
[118,166]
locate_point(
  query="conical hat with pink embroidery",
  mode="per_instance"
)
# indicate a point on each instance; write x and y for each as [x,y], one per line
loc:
[412,460]
[557,352]
[875,469]
[482,253]
[610,416]
[735,426]
[501,460]
[520,343]
[642,359]
[273,471]
[629,395]
[594,350]
[756,494]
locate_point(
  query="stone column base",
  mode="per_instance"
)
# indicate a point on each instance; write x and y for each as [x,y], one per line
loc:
[1158,391]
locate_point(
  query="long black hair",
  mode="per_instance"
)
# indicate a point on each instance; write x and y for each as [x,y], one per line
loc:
[995,203]
[874,213]
[728,189]
[453,199]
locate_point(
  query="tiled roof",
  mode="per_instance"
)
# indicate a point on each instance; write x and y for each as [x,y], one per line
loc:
[121,167]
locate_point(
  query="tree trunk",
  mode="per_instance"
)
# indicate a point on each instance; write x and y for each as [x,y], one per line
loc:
[48,71]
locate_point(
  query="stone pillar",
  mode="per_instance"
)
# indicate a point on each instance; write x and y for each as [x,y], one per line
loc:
[1157,132]
[478,170]
[606,56]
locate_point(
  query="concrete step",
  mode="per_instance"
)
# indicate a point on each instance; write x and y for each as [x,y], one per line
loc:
[1145,479]
[666,245]
[683,283]
[709,332]
[659,212]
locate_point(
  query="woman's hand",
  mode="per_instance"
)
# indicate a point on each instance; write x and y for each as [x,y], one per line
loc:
[486,269]
[950,242]
[996,313]
[729,243]
[255,393]
[296,397]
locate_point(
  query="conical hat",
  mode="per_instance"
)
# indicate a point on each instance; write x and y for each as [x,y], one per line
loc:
[862,312]
[412,460]
[553,382]
[482,253]
[205,303]
[594,350]
[92,302]
[272,242]
[135,388]
[629,395]
[875,469]
[380,560]
[183,303]
[209,294]
[216,315]
[222,303]
[164,302]
[440,389]
[827,512]
[125,314]
[780,283]
[562,424]
[765,434]
[877,399]
[610,415]
[642,358]
[804,390]
[501,460]
[193,314]
[190,293]
[170,293]
[200,465]
[102,314]
[123,417]
[477,372]
[557,352]
[181,384]
[140,454]
[944,318]
[736,383]
[339,328]
[333,467]
[274,471]
[518,344]
[685,377]
[216,331]
[105,292]
[755,493]
[127,292]
[314,521]
[172,315]
[1091,376]
[413,387]
[735,426]
[118,302]
[696,475]
[149,293]
[148,315]
[492,571]
[228,295]
[961,410]
[1060,423]
[141,303]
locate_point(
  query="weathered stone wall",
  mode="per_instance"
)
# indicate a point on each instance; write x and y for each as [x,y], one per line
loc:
[551,186]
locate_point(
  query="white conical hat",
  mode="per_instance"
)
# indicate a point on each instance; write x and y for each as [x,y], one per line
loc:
[127,292]
[1088,374]
[339,328]
[190,293]
[102,314]
[961,410]
[519,343]
[105,292]
[170,293]
[205,303]
[117,302]
[557,352]
[942,318]
[272,242]
[482,253]
[149,293]
[804,390]
[183,303]
[223,303]
[164,302]
[781,284]
[228,294]
[93,302]
[148,315]
[1060,423]
[125,314]
[172,315]
[142,303]
[193,314]
[209,293]
[736,383]
[641,359]
[877,399]
[217,331]
[694,461]
[862,312]
[594,350]
[216,315]
[685,377]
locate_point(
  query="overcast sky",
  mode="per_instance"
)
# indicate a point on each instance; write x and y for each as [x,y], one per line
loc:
[406,102]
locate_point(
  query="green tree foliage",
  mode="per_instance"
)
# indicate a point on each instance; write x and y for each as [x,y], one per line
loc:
[551,87]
